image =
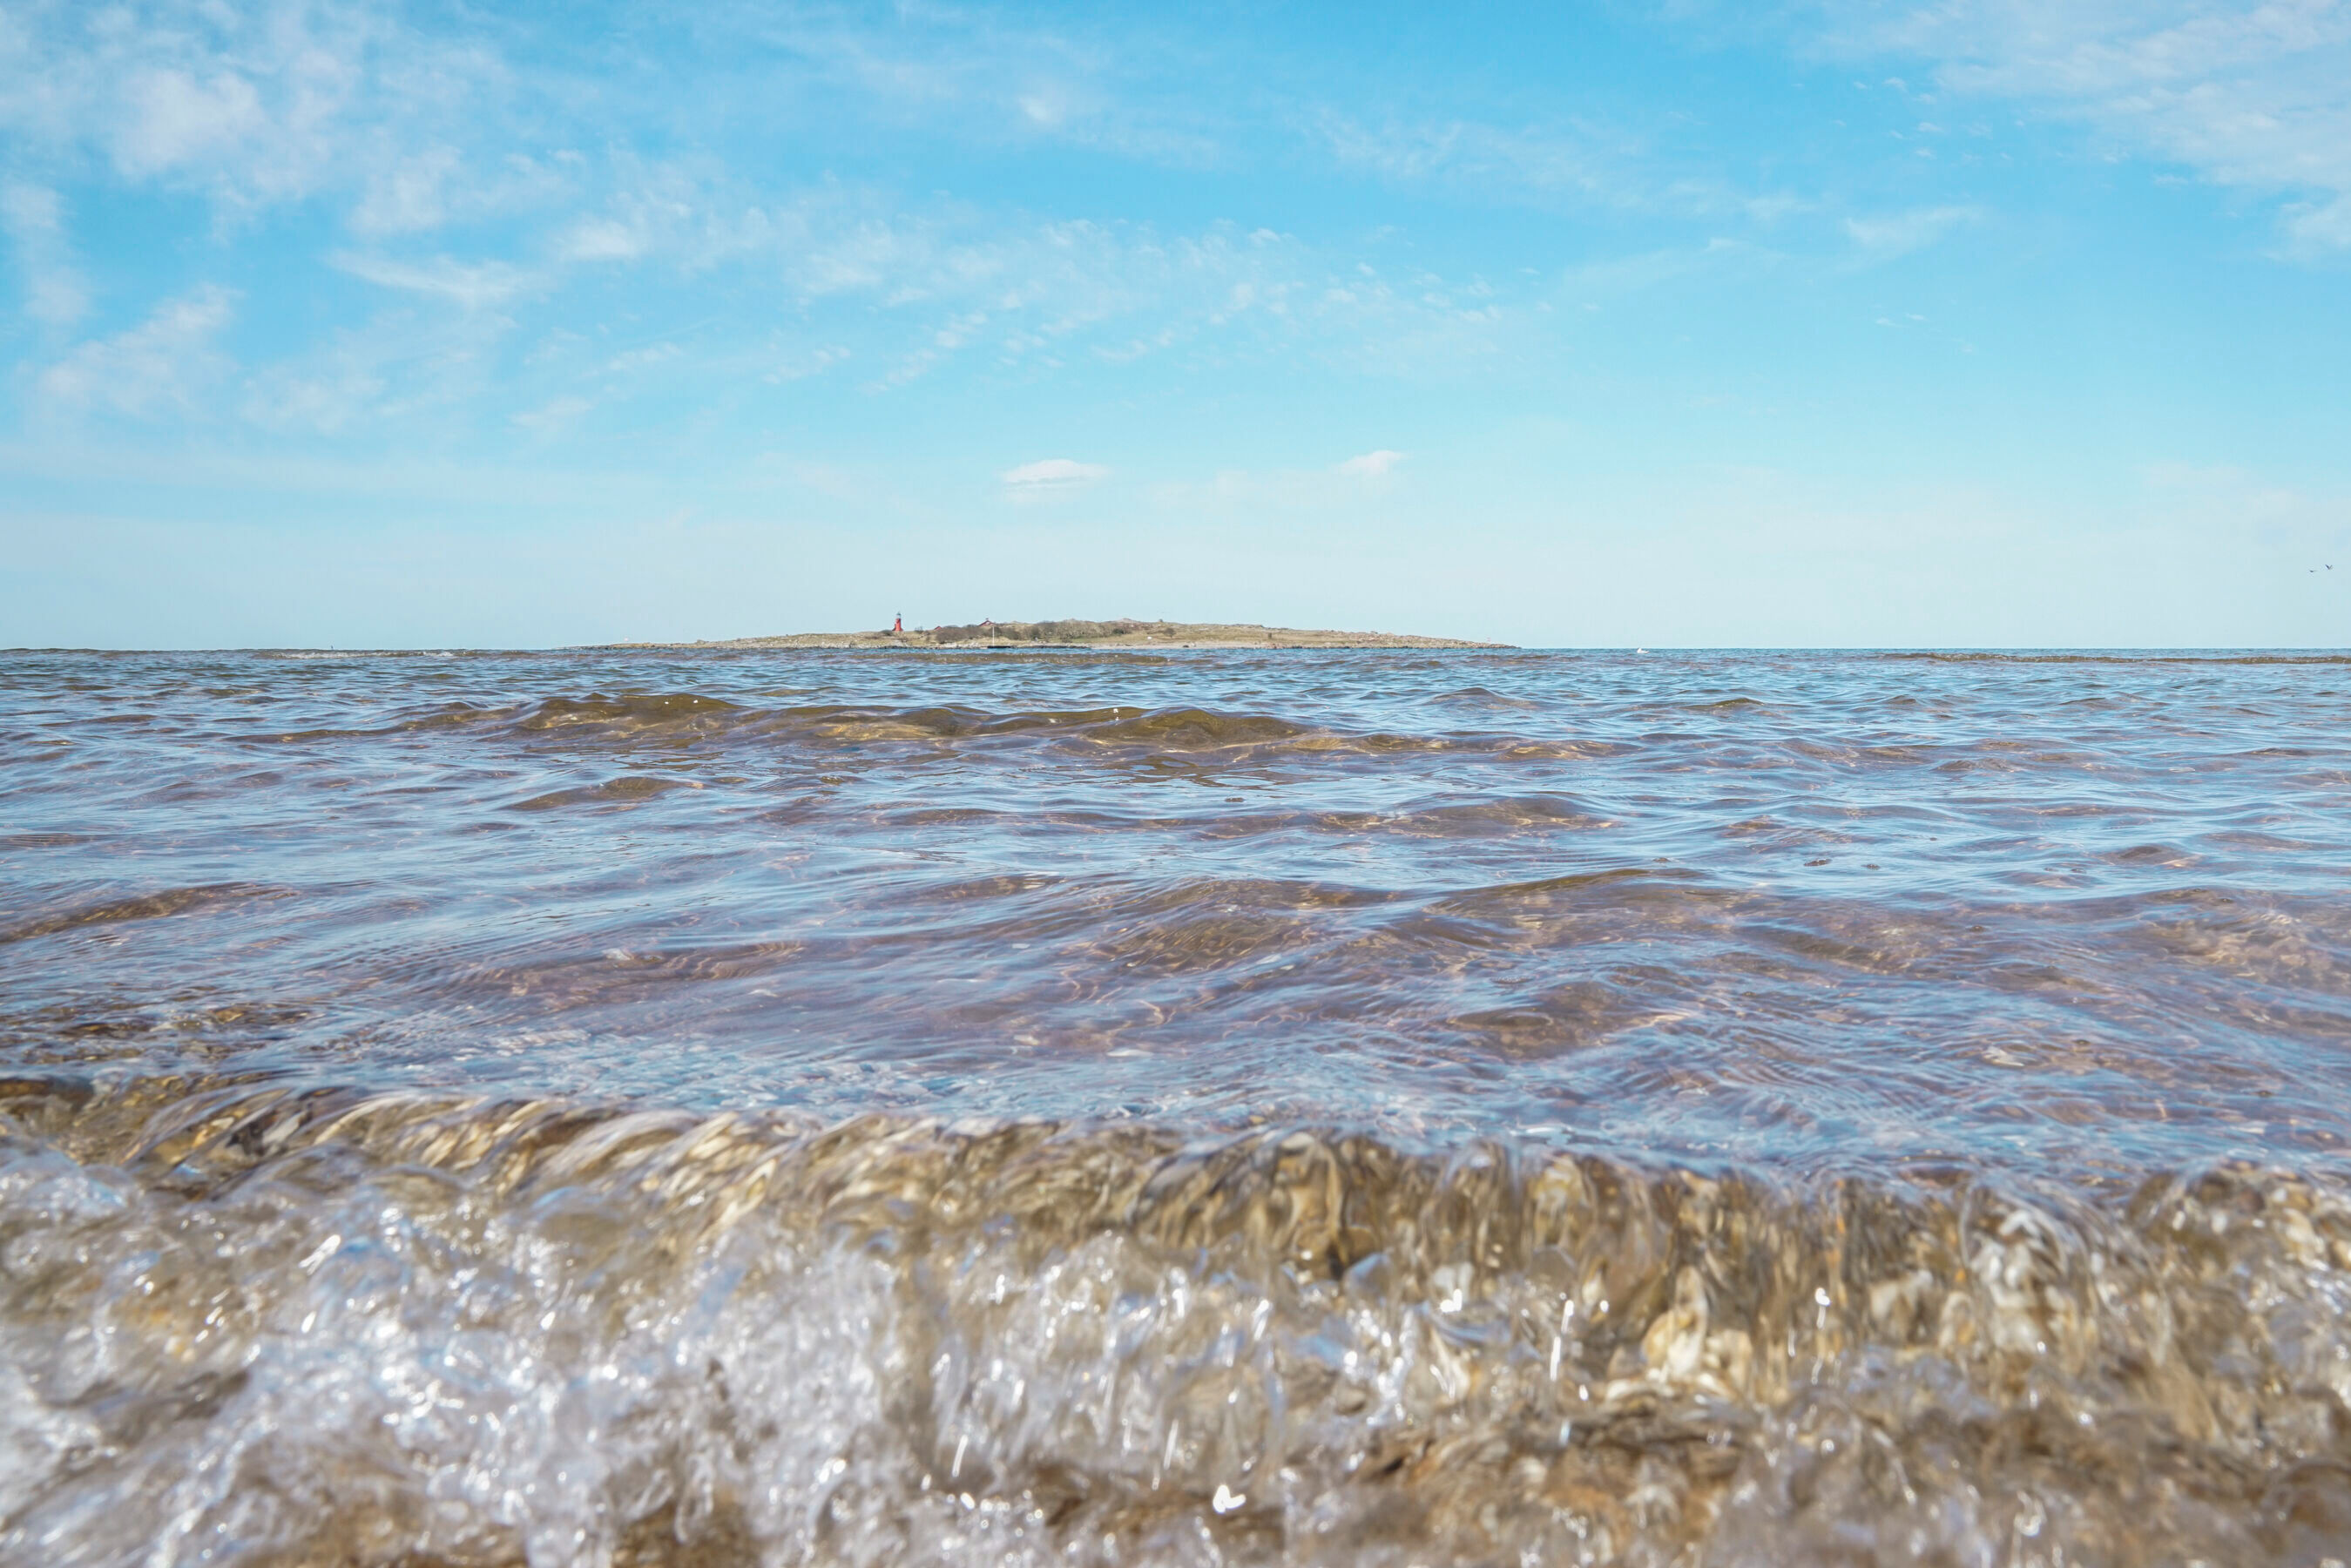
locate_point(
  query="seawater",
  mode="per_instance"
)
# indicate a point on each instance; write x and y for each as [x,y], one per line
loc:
[1384,1108]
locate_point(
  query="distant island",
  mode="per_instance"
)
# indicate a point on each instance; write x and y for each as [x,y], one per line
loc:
[1084,634]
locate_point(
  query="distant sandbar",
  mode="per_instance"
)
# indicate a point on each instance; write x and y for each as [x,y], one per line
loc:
[1172,634]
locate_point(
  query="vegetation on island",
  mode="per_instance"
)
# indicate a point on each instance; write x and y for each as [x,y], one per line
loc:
[1123,633]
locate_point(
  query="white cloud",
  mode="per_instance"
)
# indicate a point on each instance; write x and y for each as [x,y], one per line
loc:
[258,104]
[54,290]
[473,287]
[602,239]
[174,118]
[942,282]
[2254,94]
[285,398]
[630,361]
[980,75]
[1649,270]
[1545,159]
[164,362]
[1051,478]
[410,195]
[692,214]
[553,416]
[1882,238]
[1049,108]
[1371,465]
[399,368]
[406,125]
[813,364]
[1577,160]
[2314,227]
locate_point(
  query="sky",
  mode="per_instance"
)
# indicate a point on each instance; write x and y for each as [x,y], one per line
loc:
[1975,323]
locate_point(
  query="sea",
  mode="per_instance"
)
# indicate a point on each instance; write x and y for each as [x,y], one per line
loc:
[1243,1107]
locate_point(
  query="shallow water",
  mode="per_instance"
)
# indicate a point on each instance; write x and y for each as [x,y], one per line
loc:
[1336,1107]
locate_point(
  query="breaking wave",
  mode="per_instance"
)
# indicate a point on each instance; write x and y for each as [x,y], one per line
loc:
[253,1323]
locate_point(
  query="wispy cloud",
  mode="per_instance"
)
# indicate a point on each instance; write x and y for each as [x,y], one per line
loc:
[2254,94]
[1899,234]
[1371,465]
[412,193]
[995,77]
[164,363]
[630,361]
[258,104]
[473,286]
[1341,489]
[1576,161]
[602,239]
[556,415]
[175,118]
[1571,159]
[1651,268]
[813,363]
[54,290]
[323,398]
[1051,478]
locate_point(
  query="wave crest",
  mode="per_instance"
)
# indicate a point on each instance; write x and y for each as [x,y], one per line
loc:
[460,1330]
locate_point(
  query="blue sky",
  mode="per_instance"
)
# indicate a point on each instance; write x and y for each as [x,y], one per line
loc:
[1669,324]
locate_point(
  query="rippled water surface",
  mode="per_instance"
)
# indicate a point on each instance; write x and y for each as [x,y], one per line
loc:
[1374,1107]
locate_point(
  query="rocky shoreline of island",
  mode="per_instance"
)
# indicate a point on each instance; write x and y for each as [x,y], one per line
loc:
[1122,633]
